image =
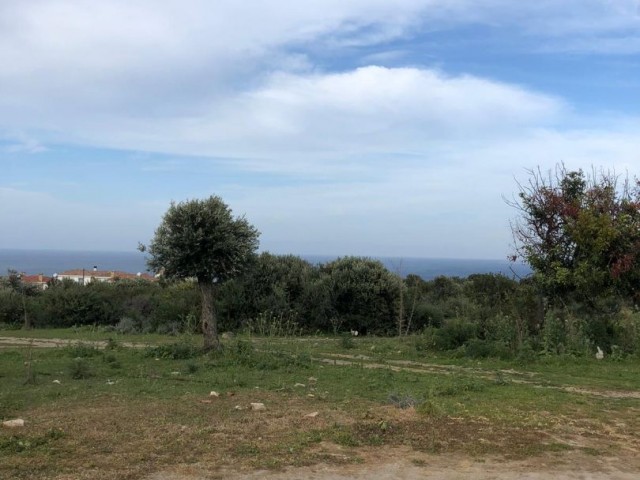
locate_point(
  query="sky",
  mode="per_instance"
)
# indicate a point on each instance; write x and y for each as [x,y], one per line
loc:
[337,127]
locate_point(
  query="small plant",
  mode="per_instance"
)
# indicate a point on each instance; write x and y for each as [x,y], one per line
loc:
[175,351]
[192,368]
[111,344]
[82,350]
[111,360]
[500,379]
[402,401]
[429,408]
[79,369]
[346,341]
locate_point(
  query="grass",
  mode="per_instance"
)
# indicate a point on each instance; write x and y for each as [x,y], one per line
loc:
[121,412]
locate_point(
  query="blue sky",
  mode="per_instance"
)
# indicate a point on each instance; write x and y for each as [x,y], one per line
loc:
[377,127]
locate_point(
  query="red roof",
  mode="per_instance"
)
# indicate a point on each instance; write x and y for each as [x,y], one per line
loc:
[35,278]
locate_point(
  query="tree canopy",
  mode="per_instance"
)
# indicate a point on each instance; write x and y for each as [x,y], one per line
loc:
[580,232]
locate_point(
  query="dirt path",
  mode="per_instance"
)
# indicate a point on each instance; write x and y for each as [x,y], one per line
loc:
[59,342]
[402,464]
[364,361]
[512,376]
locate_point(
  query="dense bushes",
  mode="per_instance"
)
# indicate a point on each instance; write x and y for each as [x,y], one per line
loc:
[482,315]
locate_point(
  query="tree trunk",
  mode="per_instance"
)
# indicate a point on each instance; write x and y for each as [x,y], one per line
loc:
[27,319]
[208,317]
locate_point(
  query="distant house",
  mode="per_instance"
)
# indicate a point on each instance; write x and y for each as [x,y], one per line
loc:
[85,276]
[40,281]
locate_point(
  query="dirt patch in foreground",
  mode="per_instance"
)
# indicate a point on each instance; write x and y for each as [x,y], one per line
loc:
[405,464]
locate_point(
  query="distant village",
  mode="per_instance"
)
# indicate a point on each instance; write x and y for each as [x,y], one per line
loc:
[83,276]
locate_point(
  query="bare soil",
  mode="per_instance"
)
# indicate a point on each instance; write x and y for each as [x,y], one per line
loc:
[404,464]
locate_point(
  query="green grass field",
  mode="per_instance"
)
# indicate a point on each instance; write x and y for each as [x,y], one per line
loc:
[113,411]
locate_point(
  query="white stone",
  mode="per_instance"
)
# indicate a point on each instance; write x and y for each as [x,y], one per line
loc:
[311,415]
[312,380]
[299,385]
[238,407]
[599,354]
[258,406]
[15,423]
[214,394]
[57,382]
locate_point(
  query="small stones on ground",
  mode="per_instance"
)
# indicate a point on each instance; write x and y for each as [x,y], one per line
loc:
[258,406]
[311,415]
[599,354]
[299,385]
[57,382]
[110,382]
[213,393]
[175,373]
[310,395]
[15,423]
[312,380]
[238,407]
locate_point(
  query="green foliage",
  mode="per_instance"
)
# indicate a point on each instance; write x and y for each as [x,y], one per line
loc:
[580,233]
[362,293]
[454,333]
[346,341]
[243,353]
[202,239]
[182,350]
[268,324]
[79,369]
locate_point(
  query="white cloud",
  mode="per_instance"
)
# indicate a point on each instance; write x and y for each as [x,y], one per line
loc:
[238,81]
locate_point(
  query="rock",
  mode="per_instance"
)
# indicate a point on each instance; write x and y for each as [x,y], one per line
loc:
[311,415]
[110,382]
[214,394]
[599,354]
[258,406]
[299,385]
[354,333]
[15,423]
[57,382]
[175,373]
[312,380]
[310,395]
[238,407]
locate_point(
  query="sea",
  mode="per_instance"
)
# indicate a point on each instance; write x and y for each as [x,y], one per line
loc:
[49,262]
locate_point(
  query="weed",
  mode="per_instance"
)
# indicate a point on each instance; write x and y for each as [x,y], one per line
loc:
[18,444]
[429,408]
[112,361]
[82,350]
[402,401]
[346,341]
[192,368]
[500,379]
[79,369]
[175,351]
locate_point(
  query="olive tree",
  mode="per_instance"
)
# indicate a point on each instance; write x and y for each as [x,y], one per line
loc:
[201,239]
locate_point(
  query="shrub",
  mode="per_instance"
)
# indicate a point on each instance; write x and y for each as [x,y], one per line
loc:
[79,369]
[454,333]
